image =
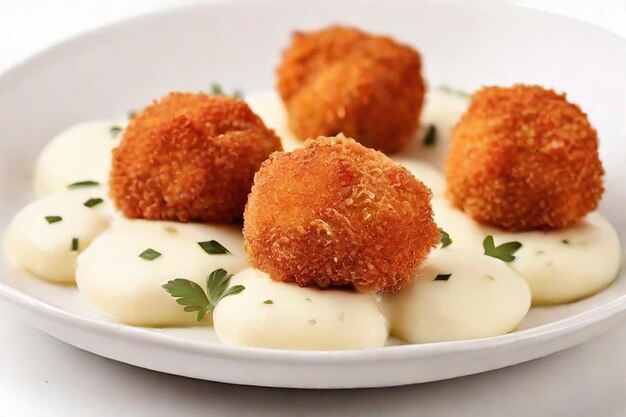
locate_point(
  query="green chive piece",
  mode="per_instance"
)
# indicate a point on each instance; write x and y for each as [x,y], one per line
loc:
[53,219]
[445,238]
[430,139]
[82,184]
[92,202]
[442,277]
[213,247]
[149,254]
[268,302]
[74,247]
[565,242]
[115,131]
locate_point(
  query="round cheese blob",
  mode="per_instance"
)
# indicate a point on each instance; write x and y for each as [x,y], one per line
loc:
[46,236]
[79,153]
[560,265]
[280,315]
[115,279]
[457,296]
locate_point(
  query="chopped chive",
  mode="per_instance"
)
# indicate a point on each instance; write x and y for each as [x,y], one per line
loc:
[217,90]
[82,184]
[115,131]
[431,136]
[213,247]
[445,238]
[132,114]
[170,229]
[268,302]
[53,219]
[149,254]
[458,92]
[92,202]
[312,322]
[565,242]
[74,247]
[442,277]
[238,94]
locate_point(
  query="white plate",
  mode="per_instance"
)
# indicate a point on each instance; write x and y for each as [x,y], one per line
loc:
[465,44]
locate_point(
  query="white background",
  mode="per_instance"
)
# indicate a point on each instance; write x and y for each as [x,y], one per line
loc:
[40,376]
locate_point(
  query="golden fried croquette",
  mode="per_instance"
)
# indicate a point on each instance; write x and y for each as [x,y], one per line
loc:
[343,80]
[190,157]
[335,213]
[524,158]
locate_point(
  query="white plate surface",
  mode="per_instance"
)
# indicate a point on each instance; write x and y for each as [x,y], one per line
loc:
[464,44]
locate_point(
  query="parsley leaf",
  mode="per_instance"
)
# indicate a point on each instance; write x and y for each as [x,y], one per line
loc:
[430,139]
[213,247]
[445,238]
[190,295]
[504,252]
[442,277]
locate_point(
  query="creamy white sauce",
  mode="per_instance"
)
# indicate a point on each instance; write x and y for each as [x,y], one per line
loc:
[79,153]
[114,279]
[560,265]
[280,315]
[45,249]
[482,297]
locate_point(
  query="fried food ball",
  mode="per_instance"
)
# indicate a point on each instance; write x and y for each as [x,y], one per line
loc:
[524,158]
[336,213]
[342,80]
[190,157]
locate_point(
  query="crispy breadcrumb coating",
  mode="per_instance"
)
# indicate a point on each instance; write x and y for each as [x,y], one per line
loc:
[342,80]
[190,157]
[524,158]
[338,214]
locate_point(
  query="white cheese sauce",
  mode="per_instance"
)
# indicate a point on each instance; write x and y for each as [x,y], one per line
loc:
[272,314]
[113,278]
[457,296]
[560,265]
[48,247]
[79,153]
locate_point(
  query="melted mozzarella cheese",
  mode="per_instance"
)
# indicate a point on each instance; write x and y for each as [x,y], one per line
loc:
[114,279]
[271,314]
[79,153]
[481,297]
[560,265]
[46,249]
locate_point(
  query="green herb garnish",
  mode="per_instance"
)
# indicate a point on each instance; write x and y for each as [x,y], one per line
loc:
[213,247]
[445,238]
[170,229]
[190,295]
[442,277]
[504,252]
[458,92]
[565,242]
[131,114]
[92,202]
[82,184]
[74,247]
[115,130]
[268,302]
[217,90]
[53,219]
[431,136]
[149,254]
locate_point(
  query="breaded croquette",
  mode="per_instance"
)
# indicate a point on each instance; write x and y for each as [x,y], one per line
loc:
[190,157]
[524,158]
[342,80]
[336,213]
